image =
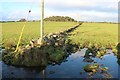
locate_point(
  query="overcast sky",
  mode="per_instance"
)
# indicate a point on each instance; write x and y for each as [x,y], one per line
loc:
[82,10]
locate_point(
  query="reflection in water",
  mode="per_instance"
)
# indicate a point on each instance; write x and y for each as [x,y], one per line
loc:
[44,74]
[73,67]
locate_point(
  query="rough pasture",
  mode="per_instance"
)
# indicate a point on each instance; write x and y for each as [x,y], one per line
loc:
[104,34]
[11,30]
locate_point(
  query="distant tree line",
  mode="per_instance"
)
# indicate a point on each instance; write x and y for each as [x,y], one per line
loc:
[6,21]
[53,18]
[60,18]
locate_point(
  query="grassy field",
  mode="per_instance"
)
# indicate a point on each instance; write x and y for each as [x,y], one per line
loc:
[104,34]
[11,30]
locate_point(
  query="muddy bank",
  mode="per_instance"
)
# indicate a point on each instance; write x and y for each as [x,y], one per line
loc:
[118,55]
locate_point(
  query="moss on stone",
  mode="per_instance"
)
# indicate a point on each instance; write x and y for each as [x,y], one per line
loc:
[91,67]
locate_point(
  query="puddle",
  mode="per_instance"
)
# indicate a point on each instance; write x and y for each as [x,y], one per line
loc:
[73,67]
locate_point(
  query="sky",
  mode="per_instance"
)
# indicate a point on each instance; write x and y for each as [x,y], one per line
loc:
[81,10]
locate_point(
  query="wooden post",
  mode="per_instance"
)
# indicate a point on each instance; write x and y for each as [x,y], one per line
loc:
[42,19]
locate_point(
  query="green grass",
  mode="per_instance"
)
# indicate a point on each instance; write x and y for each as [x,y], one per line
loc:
[96,33]
[104,34]
[11,30]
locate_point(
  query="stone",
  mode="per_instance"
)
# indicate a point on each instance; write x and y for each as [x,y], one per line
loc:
[91,67]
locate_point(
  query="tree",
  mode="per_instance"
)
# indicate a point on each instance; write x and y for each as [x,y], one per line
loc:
[22,20]
[60,18]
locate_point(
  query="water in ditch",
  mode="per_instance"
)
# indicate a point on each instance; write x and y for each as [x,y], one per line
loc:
[73,67]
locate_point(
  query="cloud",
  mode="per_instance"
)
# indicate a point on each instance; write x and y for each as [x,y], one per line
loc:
[95,10]
[96,5]
[86,16]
